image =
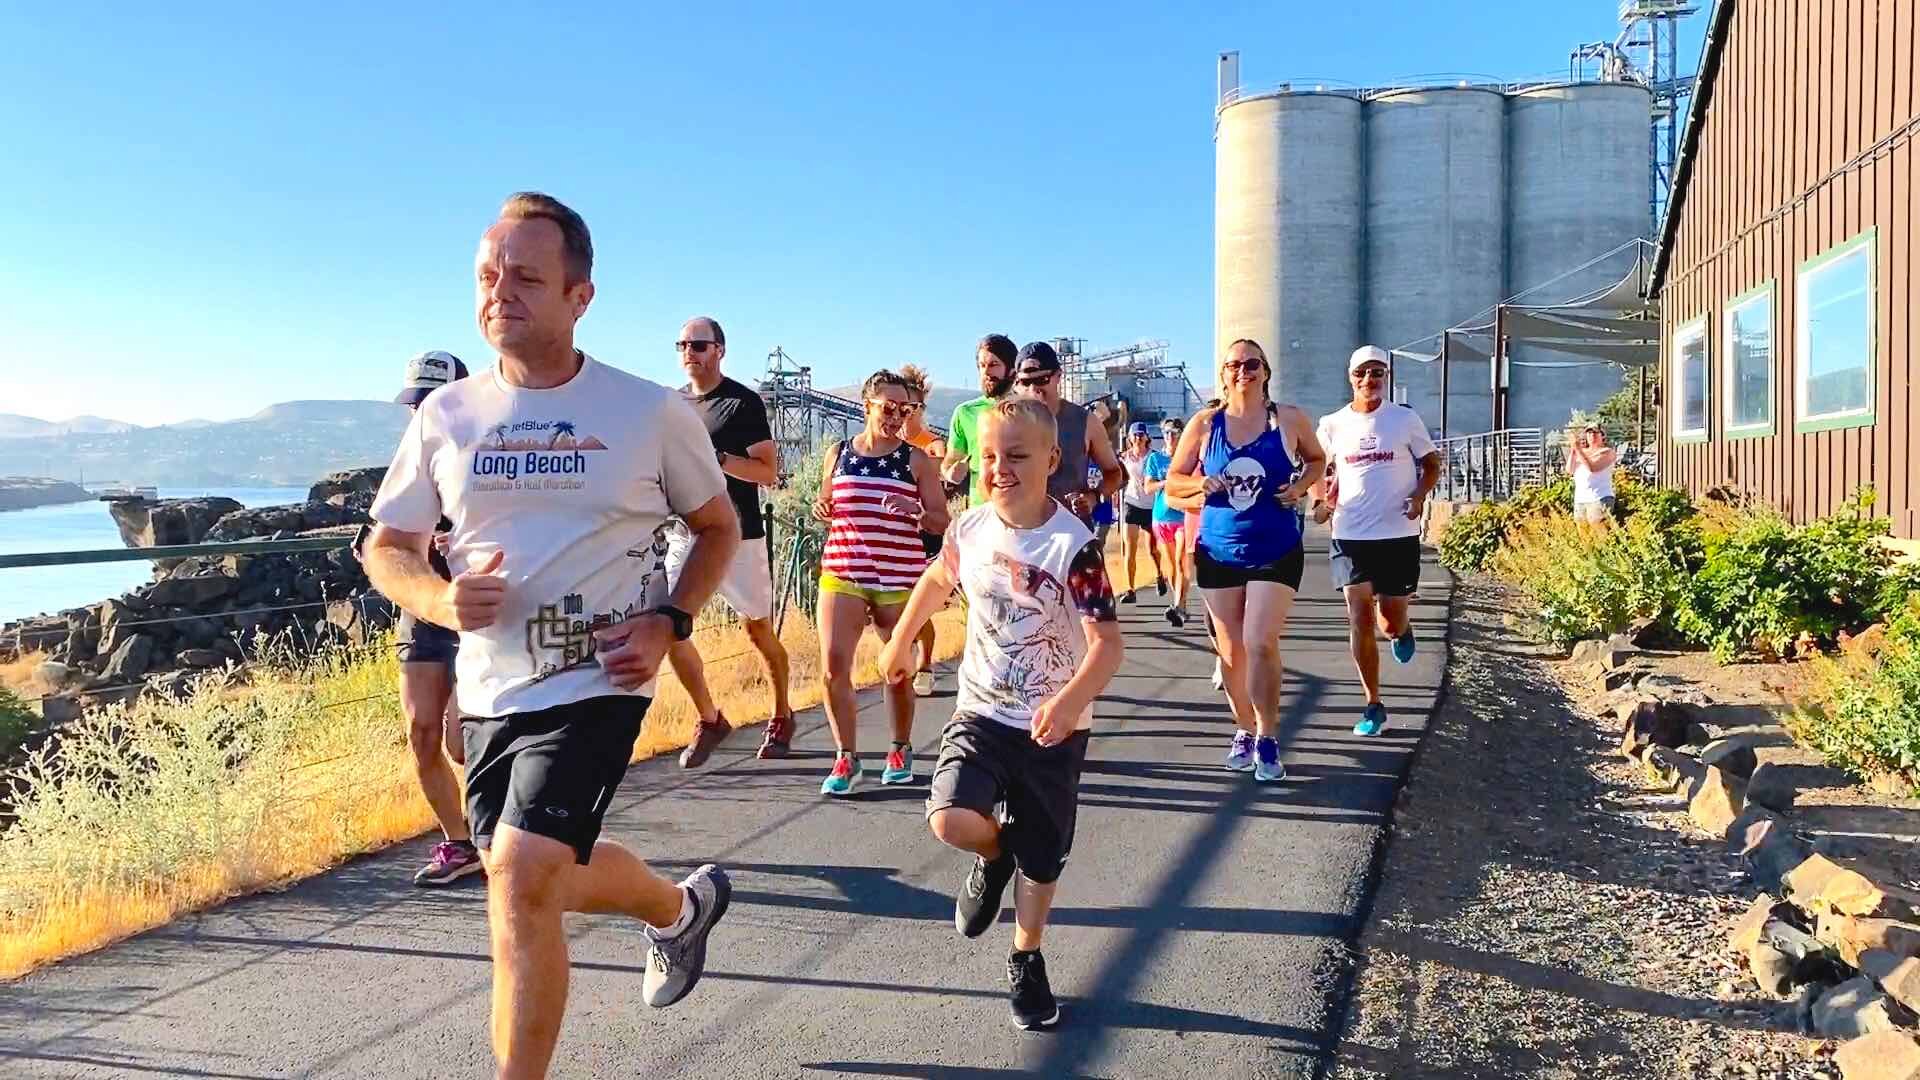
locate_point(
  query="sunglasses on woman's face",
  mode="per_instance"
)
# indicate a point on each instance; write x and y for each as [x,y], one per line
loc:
[1249,363]
[890,408]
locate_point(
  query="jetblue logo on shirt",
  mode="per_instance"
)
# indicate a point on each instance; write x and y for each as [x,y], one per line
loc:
[532,455]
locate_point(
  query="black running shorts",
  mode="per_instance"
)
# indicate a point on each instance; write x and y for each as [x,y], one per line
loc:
[1211,574]
[1391,566]
[984,763]
[421,642]
[1140,517]
[551,771]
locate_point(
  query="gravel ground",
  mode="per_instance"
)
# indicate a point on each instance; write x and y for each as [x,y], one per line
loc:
[1542,910]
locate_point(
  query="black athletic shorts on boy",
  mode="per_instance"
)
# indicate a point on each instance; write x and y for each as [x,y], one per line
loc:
[1391,566]
[984,763]
[1286,570]
[550,771]
[421,642]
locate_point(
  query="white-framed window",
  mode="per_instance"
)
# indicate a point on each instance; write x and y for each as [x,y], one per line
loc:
[1687,365]
[1834,342]
[1747,363]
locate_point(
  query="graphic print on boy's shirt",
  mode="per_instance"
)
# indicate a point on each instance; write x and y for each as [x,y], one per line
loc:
[1027,592]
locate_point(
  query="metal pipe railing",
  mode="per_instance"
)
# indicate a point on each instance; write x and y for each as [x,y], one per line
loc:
[1490,466]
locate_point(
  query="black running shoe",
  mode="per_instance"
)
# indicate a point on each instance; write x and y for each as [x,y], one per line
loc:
[978,904]
[1031,998]
[1160,584]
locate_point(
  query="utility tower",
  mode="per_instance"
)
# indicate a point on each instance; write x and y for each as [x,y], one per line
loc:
[1647,52]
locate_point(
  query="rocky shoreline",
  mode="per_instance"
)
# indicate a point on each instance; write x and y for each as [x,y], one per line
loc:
[208,613]
[27,492]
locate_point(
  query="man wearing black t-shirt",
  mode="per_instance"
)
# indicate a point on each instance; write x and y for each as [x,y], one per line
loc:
[736,419]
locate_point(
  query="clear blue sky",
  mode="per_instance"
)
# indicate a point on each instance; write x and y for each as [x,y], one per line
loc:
[211,209]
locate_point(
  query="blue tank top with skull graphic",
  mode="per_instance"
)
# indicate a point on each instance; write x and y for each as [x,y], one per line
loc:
[1245,525]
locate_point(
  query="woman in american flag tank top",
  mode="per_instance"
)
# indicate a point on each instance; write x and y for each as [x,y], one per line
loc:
[877,495]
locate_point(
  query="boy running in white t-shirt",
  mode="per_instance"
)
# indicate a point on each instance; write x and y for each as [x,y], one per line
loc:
[1042,642]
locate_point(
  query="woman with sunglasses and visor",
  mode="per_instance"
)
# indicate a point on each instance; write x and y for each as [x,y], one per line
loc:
[1255,461]
[878,493]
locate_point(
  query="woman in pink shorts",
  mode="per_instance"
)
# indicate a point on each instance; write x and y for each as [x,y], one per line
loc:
[1172,529]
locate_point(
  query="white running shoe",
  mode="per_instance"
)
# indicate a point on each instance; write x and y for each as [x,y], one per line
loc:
[923,684]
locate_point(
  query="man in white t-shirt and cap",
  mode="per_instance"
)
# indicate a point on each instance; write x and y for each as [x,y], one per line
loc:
[1383,464]
[552,469]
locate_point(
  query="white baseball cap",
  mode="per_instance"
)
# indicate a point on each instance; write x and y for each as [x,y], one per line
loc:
[429,372]
[1367,354]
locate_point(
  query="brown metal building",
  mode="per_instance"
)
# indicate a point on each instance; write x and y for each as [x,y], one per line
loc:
[1786,268]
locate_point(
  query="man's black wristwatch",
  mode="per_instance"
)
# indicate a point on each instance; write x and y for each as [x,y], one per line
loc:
[682,622]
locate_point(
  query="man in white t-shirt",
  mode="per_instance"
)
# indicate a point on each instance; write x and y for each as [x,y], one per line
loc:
[555,471]
[1383,466]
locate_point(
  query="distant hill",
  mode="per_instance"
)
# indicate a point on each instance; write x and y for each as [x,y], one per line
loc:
[14,426]
[292,443]
[331,412]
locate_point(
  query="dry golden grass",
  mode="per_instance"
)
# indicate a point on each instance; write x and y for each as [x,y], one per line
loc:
[18,675]
[168,808]
[738,678]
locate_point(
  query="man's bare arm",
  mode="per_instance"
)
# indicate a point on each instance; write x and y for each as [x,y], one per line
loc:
[759,465]
[1112,476]
[396,563]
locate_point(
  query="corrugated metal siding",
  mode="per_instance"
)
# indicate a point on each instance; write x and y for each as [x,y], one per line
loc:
[1804,87]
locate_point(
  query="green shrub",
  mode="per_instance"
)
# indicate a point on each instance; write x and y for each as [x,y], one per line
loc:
[1765,585]
[16,719]
[1590,583]
[1664,507]
[1864,714]
[1474,536]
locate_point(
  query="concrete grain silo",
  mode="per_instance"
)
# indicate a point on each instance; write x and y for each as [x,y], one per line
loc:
[1578,187]
[1436,230]
[1387,215]
[1288,221]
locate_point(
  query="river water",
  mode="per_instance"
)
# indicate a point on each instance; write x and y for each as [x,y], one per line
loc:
[86,526]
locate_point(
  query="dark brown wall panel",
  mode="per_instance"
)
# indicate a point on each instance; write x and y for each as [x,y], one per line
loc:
[1804,86]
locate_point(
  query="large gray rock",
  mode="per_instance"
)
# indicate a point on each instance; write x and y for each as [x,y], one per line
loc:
[150,523]
[1733,755]
[1853,1009]
[192,592]
[130,660]
[354,487]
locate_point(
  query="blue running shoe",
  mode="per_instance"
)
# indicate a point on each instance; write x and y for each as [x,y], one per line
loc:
[1266,760]
[1373,721]
[1403,647]
[1240,757]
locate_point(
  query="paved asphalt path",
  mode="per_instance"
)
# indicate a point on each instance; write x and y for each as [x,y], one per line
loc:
[1199,931]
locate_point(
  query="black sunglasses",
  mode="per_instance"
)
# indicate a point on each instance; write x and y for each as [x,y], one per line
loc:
[694,346]
[1035,380]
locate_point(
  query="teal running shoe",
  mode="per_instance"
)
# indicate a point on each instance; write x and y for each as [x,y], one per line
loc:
[1373,721]
[899,768]
[843,778]
[1403,647]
